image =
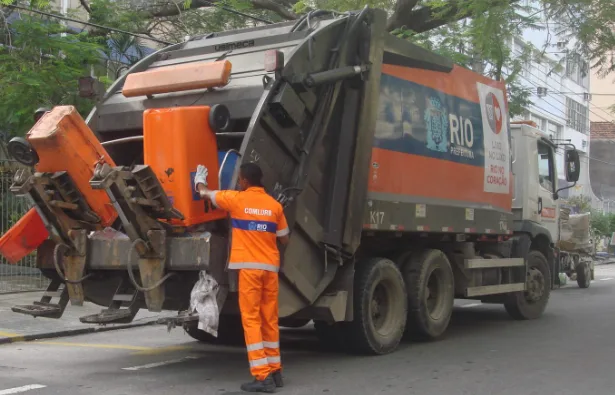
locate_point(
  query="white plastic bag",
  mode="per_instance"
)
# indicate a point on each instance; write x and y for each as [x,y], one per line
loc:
[203,302]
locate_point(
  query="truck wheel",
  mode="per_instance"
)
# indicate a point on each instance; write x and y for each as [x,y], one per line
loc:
[230,332]
[584,275]
[380,308]
[532,303]
[431,293]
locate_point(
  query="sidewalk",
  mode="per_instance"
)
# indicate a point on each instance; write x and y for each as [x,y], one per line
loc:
[16,327]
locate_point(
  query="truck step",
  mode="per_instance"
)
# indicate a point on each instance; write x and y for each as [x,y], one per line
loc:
[125,296]
[38,309]
[494,289]
[44,307]
[109,316]
[181,318]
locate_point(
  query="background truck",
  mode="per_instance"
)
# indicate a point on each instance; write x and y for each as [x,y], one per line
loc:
[575,247]
[393,164]
[536,203]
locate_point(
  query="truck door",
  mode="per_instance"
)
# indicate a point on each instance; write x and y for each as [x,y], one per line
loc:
[547,185]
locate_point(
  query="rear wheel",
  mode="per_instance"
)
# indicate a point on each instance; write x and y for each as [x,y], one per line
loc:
[431,293]
[531,303]
[380,308]
[584,275]
[230,331]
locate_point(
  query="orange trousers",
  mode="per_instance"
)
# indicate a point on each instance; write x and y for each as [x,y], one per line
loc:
[258,303]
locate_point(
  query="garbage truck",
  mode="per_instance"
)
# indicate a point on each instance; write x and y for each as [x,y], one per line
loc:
[403,181]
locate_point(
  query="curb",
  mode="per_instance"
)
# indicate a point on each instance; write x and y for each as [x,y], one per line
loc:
[72,332]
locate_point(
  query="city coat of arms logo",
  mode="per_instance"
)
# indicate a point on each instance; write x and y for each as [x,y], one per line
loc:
[436,121]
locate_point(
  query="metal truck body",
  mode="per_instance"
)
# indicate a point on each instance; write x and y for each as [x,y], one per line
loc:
[393,166]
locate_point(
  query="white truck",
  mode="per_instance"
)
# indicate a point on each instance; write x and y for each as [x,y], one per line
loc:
[536,202]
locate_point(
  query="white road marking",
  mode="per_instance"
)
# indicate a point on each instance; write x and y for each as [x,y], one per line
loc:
[605,279]
[157,364]
[471,305]
[25,388]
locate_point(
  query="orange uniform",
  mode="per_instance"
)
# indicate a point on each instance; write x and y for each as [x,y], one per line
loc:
[257,219]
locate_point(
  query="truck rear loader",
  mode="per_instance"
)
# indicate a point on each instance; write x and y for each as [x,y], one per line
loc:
[393,165]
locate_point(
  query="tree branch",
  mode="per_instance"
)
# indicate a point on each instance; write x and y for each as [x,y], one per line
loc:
[402,8]
[428,18]
[175,7]
[276,7]
[86,6]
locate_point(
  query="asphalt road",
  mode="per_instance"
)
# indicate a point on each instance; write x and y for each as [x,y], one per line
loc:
[568,351]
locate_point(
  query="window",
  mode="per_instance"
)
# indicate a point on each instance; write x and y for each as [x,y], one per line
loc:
[540,121]
[578,116]
[554,131]
[577,70]
[545,166]
[519,51]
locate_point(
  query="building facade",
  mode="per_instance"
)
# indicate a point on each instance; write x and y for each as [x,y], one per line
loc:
[602,163]
[559,82]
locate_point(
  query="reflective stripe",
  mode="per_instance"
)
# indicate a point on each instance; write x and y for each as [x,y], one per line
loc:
[273,359]
[271,344]
[282,233]
[212,197]
[254,225]
[259,362]
[254,346]
[253,265]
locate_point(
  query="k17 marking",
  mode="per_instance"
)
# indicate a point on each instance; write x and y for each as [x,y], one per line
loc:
[376,217]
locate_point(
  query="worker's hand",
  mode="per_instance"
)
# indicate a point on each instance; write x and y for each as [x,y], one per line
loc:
[200,177]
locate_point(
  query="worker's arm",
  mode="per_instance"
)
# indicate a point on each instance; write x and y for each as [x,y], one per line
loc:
[221,199]
[283,232]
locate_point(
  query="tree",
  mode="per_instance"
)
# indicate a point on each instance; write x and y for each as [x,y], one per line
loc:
[588,22]
[474,33]
[38,67]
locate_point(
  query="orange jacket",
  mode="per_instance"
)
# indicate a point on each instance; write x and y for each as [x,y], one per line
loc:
[257,219]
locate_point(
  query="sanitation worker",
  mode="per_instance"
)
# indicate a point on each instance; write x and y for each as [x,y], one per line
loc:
[257,220]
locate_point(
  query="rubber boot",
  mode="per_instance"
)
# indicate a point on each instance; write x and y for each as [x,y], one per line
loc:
[277,378]
[267,386]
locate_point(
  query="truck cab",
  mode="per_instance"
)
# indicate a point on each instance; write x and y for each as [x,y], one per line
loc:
[535,187]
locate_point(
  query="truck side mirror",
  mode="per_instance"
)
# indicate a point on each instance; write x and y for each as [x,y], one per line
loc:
[573,165]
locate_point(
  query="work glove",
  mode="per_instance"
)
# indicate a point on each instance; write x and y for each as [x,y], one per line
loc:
[200,177]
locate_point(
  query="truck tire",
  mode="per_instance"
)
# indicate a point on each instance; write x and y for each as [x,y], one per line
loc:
[380,307]
[532,303]
[584,275]
[230,332]
[431,294]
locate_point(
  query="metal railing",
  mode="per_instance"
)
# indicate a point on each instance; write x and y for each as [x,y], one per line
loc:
[23,276]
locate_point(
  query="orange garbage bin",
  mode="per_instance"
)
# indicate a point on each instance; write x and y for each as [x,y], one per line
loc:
[24,237]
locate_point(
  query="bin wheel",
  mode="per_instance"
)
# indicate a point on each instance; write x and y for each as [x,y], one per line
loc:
[220,118]
[21,150]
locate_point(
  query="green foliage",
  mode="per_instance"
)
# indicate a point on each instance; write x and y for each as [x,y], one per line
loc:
[602,224]
[40,67]
[581,203]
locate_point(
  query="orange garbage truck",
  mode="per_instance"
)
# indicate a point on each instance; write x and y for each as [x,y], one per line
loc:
[393,166]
